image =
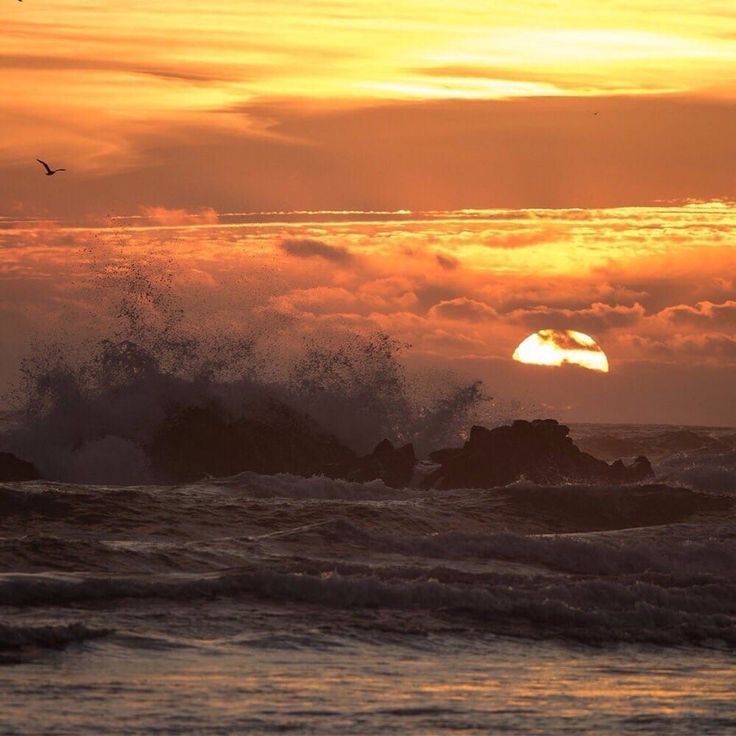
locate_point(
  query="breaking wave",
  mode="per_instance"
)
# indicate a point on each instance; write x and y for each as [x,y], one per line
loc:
[89,411]
[664,609]
[713,472]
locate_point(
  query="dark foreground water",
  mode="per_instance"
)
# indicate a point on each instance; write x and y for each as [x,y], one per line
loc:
[314,682]
[281,604]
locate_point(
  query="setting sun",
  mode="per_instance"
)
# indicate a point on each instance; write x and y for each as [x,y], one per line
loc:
[558,347]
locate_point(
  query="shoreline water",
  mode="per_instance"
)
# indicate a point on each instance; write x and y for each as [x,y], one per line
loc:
[280,603]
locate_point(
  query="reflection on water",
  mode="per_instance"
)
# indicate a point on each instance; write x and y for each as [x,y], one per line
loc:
[496,685]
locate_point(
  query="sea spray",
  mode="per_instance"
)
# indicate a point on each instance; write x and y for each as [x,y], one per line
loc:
[89,408]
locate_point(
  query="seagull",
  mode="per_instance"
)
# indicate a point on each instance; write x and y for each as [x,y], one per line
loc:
[49,170]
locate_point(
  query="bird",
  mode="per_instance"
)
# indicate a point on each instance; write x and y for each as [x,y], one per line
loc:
[49,170]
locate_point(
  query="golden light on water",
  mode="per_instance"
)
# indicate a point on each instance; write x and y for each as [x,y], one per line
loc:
[557,347]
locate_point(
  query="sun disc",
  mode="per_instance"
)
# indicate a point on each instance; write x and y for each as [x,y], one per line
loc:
[559,347]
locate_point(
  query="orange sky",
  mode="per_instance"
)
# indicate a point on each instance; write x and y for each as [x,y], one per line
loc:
[655,287]
[581,129]
[462,104]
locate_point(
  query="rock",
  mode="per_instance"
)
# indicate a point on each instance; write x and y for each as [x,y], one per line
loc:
[394,466]
[14,469]
[640,469]
[205,441]
[540,451]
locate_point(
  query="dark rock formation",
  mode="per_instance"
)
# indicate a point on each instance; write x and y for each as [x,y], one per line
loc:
[640,469]
[14,469]
[540,451]
[394,466]
[204,441]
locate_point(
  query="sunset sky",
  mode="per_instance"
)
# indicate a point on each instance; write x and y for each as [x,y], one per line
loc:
[590,146]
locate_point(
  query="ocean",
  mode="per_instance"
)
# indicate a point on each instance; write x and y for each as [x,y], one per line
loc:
[271,604]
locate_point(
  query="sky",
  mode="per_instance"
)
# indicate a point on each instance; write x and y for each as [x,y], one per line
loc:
[555,164]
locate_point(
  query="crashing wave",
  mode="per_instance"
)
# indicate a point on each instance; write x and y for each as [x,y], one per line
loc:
[108,410]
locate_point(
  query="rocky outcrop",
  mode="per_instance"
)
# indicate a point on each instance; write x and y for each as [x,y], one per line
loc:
[394,466]
[540,451]
[202,441]
[640,469]
[205,441]
[14,469]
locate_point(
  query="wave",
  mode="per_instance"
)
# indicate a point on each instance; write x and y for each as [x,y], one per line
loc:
[588,610]
[95,410]
[14,638]
[285,485]
[220,523]
[685,549]
[713,472]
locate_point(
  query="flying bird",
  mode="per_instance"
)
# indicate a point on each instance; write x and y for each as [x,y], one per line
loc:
[49,170]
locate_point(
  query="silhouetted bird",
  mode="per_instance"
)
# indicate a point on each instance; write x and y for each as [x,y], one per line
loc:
[49,170]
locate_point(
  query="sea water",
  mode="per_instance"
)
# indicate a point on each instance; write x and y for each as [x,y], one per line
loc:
[272,604]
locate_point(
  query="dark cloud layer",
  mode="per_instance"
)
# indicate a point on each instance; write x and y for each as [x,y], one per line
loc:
[316,249]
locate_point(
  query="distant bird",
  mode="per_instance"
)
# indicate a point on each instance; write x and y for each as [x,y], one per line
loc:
[49,170]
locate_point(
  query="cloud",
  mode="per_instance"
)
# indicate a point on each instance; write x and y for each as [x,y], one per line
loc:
[316,249]
[385,295]
[522,238]
[714,347]
[441,342]
[165,216]
[565,340]
[448,263]
[703,314]
[599,317]
[464,309]
[191,73]
[708,348]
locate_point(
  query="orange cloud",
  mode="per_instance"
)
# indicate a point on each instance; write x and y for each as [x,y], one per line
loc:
[703,314]
[463,308]
[598,317]
[522,238]
[172,217]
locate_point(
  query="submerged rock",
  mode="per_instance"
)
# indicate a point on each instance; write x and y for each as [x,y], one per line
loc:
[540,451]
[15,469]
[394,466]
